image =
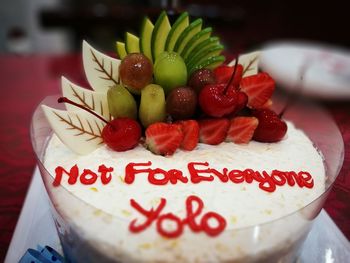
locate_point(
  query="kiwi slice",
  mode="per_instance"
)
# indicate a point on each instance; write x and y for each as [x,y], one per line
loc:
[121,51]
[187,34]
[178,27]
[146,37]
[195,40]
[132,43]
[209,63]
[160,35]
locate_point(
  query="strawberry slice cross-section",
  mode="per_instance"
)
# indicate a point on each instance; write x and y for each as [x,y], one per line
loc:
[259,89]
[213,131]
[163,138]
[242,129]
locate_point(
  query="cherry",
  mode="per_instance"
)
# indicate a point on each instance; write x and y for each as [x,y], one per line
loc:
[120,134]
[271,127]
[200,78]
[181,103]
[218,100]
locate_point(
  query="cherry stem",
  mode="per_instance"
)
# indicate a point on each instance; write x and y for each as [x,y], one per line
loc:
[233,74]
[66,100]
[292,99]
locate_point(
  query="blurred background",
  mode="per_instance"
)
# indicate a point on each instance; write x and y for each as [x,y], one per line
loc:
[57,26]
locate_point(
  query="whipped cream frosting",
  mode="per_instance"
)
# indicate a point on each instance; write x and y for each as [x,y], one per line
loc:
[242,204]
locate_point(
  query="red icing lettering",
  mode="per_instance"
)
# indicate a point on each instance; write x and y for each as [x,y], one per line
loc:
[106,173]
[308,182]
[73,175]
[194,173]
[130,171]
[87,177]
[192,213]
[150,215]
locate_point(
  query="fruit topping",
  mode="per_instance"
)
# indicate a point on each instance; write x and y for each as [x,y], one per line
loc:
[200,78]
[136,71]
[181,103]
[152,105]
[241,129]
[218,100]
[163,138]
[259,89]
[122,134]
[119,134]
[190,129]
[121,103]
[213,131]
[224,73]
[270,128]
[170,71]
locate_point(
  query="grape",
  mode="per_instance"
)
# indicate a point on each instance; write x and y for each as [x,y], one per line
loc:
[170,71]
[181,103]
[136,71]
[121,103]
[152,105]
[200,78]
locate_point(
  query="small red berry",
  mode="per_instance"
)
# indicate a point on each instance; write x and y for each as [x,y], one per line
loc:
[122,134]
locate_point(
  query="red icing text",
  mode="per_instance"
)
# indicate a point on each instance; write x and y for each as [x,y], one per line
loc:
[200,172]
[87,177]
[154,215]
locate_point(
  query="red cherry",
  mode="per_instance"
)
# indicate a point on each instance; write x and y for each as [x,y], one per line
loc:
[217,101]
[224,73]
[122,134]
[119,134]
[270,128]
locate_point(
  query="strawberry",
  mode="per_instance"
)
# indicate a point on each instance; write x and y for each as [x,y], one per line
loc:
[267,104]
[223,75]
[259,89]
[190,129]
[242,129]
[213,131]
[163,138]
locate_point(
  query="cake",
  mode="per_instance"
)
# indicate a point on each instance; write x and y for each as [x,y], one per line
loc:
[187,173]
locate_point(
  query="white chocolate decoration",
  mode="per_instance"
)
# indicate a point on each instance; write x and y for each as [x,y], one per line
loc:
[102,71]
[249,62]
[80,131]
[93,100]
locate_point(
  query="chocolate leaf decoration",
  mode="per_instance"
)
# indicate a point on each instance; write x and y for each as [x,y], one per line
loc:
[249,62]
[93,100]
[102,71]
[80,131]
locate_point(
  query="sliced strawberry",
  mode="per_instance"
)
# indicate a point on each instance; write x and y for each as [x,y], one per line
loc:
[267,104]
[190,129]
[213,131]
[259,89]
[223,75]
[163,138]
[242,129]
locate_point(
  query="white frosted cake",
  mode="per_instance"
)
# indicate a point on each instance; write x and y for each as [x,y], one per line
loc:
[174,157]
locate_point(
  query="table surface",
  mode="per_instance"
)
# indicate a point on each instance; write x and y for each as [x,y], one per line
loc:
[26,80]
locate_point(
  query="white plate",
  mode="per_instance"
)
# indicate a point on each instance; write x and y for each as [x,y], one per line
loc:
[327,73]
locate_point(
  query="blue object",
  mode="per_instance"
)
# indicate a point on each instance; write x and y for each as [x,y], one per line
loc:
[46,255]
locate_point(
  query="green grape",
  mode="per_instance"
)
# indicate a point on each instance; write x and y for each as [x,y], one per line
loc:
[170,71]
[121,103]
[152,105]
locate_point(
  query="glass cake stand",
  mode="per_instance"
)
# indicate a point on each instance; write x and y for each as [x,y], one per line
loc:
[275,241]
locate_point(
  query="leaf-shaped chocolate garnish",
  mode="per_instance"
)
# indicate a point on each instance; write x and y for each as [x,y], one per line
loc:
[80,131]
[249,62]
[102,71]
[93,100]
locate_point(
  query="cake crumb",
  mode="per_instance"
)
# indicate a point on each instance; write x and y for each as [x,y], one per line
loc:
[268,211]
[98,212]
[145,246]
[94,189]
[233,219]
[126,212]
